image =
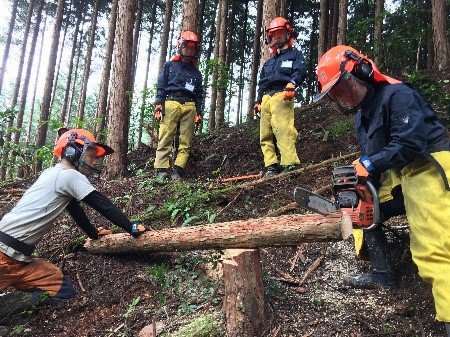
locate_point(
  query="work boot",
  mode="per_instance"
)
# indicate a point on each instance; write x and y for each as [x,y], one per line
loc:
[381,274]
[447,328]
[272,170]
[288,168]
[162,174]
[177,172]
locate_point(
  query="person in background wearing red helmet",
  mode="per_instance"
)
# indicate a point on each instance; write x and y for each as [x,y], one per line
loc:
[397,129]
[278,80]
[58,188]
[179,98]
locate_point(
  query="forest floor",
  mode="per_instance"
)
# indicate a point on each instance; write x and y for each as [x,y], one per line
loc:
[119,295]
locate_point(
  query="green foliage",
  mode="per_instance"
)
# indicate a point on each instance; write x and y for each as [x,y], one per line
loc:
[184,280]
[18,330]
[433,91]
[202,326]
[343,127]
[219,66]
[132,307]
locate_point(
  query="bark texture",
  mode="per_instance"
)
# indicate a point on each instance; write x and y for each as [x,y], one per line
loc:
[287,230]
[244,300]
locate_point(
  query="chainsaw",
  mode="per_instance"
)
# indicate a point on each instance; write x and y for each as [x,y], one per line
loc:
[352,194]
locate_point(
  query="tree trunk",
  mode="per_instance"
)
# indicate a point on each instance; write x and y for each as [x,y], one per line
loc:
[137,30]
[8,42]
[189,16]
[26,81]
[378,30]
[323,29]
[287,230]
[87,62]
[27,169]
[120,106]
[147,67]
[214,72]
[256,57]
[440,38]
[244,300]
[10,119]
[104,84]
[45,105]
[75,78]
[59,58]
[165,34]
[63,115]
[271,9]
[342,23]
[222,66]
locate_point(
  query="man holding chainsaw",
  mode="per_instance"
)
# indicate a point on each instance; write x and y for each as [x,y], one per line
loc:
[280,76]
[397,129]
[58,188]
[179,99]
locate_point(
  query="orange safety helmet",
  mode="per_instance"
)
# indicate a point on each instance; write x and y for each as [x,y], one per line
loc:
[341,60]
[79,138]
[277,24]
[188,38]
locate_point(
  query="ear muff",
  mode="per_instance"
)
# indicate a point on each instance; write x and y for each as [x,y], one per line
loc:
[363,69]
[71,153]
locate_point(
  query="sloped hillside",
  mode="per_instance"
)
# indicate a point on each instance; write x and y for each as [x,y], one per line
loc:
[119,295]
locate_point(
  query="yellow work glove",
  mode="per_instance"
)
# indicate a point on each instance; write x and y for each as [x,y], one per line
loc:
[289,91]
[257,111]
[159,113]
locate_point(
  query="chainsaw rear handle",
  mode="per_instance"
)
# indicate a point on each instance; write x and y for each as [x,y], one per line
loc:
[376,206]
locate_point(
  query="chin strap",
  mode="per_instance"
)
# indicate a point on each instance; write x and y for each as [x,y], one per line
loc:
[95,172]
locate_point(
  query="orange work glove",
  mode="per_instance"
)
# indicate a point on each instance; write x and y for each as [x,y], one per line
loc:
[361,171]
[137,229]
[159,113]
[198,121]
[257,111]
[104,230]
[289,91]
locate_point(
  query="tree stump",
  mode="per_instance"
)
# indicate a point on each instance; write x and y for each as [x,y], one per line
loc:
[244,300]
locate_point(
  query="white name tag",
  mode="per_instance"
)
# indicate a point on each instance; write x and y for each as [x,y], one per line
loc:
[286,64]
[189,87]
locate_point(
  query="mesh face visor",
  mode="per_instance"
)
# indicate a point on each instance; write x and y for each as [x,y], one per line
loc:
[91,157]
[344,96]
[279,32]
[189,49]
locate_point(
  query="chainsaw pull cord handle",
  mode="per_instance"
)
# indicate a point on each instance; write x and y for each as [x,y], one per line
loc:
[376,206]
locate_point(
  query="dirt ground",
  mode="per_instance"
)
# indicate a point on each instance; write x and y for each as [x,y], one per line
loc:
[119,295]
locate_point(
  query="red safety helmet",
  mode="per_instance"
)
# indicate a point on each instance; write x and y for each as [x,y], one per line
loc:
[278,24]
[342,60]
[188,38]
[81,139]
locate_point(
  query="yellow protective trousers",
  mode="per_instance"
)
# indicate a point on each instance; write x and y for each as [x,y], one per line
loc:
[277,119]
[427,204]
[175,113]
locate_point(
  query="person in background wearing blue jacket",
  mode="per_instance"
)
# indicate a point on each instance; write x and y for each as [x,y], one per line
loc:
[179,98]
[397,129]
[278,79]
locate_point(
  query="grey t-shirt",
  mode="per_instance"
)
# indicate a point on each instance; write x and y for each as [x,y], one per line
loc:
[33,215]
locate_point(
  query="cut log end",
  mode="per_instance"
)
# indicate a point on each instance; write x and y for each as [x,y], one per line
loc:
[346,226]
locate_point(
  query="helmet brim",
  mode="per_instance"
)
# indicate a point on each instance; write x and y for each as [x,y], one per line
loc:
[321,95]
[103,150]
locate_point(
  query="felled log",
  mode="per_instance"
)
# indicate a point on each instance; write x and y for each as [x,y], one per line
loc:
[244,302]
[287,230]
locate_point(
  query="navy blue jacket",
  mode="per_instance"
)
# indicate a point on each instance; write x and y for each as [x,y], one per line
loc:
[397,125]
[177,77]
[287,66]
